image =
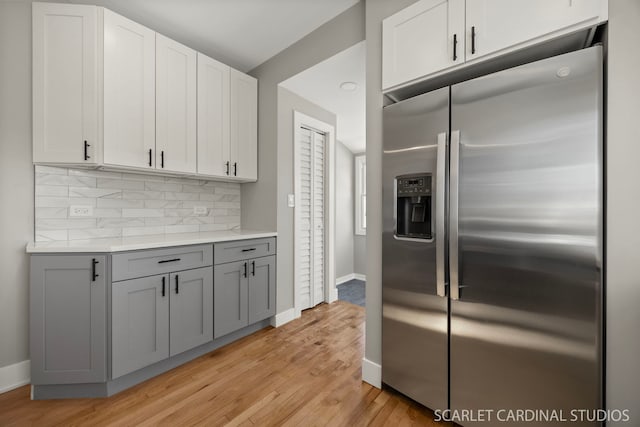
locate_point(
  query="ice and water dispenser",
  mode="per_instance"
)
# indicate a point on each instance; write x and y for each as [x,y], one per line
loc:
[413,206]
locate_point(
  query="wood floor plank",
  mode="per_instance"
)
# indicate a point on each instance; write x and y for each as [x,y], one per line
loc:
[305,373]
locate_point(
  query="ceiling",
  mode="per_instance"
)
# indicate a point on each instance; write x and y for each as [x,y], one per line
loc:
[320,84]
[240,33]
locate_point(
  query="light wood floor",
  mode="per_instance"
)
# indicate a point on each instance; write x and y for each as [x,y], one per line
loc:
[306,373]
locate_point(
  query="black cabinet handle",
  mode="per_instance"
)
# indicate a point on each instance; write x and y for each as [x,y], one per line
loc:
[235,169]
[168,260]
[455,47]
[227,164]
[150,157]
[162,159]
[177,285]
[245,270]
[249,250]
[253,268]
[473,40]
[163,286]
[94,275]
[86,150]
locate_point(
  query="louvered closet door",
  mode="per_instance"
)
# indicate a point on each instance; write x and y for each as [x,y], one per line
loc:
[310,233]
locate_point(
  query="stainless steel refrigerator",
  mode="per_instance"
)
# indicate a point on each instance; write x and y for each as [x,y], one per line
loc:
[492,240]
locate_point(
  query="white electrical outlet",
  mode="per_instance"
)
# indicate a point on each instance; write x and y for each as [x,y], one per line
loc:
[291,200]
[80,210]
[199,210]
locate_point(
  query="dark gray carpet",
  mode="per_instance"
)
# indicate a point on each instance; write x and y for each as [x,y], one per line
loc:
[352,291]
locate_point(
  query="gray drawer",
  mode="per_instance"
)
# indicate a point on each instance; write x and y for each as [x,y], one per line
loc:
[130,265]
[243,249]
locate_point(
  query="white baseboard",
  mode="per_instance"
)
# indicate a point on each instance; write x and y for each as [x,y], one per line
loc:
[284,317]
[346,278]
[14,376]
[371,373]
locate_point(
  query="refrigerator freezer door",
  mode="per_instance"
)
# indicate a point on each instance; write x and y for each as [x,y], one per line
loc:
[526,329]
[414,316]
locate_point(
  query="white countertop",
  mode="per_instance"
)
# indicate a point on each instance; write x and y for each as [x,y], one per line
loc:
[121,244]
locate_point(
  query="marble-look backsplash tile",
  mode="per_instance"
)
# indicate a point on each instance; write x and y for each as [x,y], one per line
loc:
[126,204]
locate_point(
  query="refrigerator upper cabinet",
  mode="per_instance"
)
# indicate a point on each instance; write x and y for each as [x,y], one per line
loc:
[176,149]
[526,203]
[129,92]
[65,84]
[498,24]
[414,313]
[244,126]
[422,39]
[213,117]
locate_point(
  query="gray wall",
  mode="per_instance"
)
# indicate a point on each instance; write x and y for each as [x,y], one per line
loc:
[287,103]
[376,11]
[360,254]
[344,210]
[263,201]
[623,205]
[16,178]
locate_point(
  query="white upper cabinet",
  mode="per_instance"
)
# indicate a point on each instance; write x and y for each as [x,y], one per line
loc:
[110,93]
[500,24]
[129,92]
[244,126]
[426,37]
[175,106]
[65,84]
[213,117]
[418,42]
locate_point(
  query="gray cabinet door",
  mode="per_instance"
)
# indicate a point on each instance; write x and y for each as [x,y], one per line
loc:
[68,319]
[140,323]
[191,309]
[262,289]
[230,298]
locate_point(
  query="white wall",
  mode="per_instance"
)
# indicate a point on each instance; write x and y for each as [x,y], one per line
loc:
[288,102]
[623,207]
[360,254]
[16,178]
[344,211]
[264,203]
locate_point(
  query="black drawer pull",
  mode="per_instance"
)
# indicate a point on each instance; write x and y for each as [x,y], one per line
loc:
[248,250]
[168,260]
[227,165]
[253,268]
[94,275]
[86,150]
[245,270]
[150,155]
[177,285]
[163,286]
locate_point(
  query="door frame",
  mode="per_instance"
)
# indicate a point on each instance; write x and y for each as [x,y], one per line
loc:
[330,291]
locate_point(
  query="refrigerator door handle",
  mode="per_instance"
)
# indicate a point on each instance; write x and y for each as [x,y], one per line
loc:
[454,176]
[441,170]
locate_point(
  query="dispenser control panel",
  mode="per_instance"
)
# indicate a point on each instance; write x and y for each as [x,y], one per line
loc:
[414,186]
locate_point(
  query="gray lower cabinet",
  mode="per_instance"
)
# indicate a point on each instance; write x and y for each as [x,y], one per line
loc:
[244,293]
[160,316]
[140,323]
[68,319]
[191,309]
[230,289]
[262,288]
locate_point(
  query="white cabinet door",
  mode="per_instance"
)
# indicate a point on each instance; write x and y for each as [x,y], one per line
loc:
[129,92]
[244,126]
[176,149]
[213,117]
[500,24]
[422,39]
[65,83]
